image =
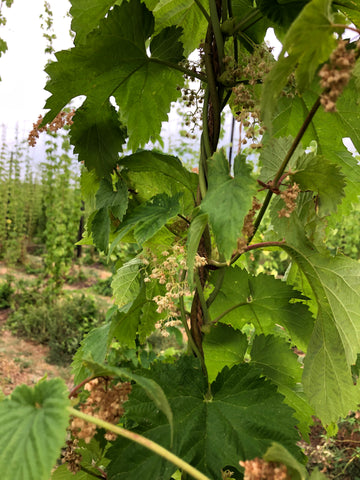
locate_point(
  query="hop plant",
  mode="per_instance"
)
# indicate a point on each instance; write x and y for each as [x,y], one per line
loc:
[336,74]
[106,402]
[258,469]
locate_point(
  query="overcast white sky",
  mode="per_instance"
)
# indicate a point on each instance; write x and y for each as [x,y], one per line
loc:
[22,94]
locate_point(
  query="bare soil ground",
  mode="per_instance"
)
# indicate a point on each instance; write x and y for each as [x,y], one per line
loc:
[23,361]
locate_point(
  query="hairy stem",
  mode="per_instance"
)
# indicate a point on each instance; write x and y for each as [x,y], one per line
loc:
[204,12]
[217,31]
[202,299]
[145,442]
[284,164]
[217,287]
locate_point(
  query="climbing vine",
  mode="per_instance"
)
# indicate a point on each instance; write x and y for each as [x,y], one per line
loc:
[263,354]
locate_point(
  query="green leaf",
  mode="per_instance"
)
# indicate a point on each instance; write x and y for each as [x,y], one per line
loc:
[100,229]
[33,430]
[345,122]
[117,200]
[273,154]
[63,473]
[164,165]
[273,356]
[223,347]
[278,453]
[314,172]
[126,282]
[244,416]
[281,12]
[114,61]
[335,341]
[153,215]
[225,196]
[94,345]
[185,14]
[125,322]
[263,301]
[306,56]
[97,136]
[86,15]
[148,219]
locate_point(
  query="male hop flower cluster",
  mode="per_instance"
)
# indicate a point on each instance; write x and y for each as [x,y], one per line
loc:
[106,402]
[258,469]
[71,456]
[169,273]
[62,118]
[289,196]
[248,226]
[336,74]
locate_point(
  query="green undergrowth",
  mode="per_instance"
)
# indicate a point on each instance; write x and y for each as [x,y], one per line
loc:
[59,321]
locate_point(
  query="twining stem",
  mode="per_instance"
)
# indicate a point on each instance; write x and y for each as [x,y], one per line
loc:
[145,442]
[202,298]
[204,12]
[254,246]
[284,164]
[217,31]
[187,329]
[218,285]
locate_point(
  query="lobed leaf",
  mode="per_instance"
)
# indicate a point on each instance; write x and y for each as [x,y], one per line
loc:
[225,196]
[264,302]
[273,356]
[335,341]
[33,430]
[243,417]
[113,62]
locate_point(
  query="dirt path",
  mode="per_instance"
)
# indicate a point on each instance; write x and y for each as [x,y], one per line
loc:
[23,361]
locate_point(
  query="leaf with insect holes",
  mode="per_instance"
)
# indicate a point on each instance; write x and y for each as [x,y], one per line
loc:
[112,62]
[225,196]
[33,430]
[243,417]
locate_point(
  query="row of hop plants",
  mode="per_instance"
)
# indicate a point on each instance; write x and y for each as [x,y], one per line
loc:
[41,207]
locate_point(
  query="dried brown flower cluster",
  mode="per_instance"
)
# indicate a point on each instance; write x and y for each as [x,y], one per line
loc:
[63,118]
[71,457]
[106,402]
[248,226]
[169,272]
[289,196]
[258,469]
[336,74]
